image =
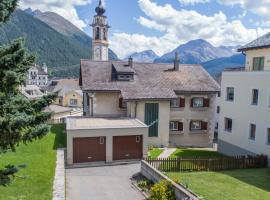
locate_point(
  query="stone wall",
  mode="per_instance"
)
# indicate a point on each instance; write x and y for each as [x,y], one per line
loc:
[154,175]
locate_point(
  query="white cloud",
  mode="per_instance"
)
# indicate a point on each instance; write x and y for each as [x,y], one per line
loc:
[65,8]
[193,2]
[179,26]
[261,7]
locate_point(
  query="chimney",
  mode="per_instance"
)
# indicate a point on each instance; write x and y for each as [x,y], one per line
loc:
[176,62]
[130,62]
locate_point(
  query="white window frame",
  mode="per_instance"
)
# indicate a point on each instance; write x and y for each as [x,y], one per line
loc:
[250,128]
[198,105]
[175,103]
[225,128]
[227,94]
[268,136]
[174,125]
[252,97]
[196,128]
[72,104]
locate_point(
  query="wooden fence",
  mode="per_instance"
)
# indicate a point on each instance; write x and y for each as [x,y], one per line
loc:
[208,164]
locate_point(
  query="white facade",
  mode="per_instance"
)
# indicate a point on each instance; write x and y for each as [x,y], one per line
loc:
[38,76]
[248,131]
[106,104]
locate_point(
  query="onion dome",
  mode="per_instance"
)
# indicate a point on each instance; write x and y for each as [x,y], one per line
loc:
[100,10]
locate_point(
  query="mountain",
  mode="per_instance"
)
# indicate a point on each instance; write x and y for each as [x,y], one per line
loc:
[147,56]
[195,52]
[59,48]
[216,66]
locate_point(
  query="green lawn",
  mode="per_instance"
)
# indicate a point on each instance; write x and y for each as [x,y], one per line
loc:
[40,157]
[244,184]
[155,152]
[191,152]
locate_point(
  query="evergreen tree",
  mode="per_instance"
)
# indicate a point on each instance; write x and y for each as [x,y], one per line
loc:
[21,119]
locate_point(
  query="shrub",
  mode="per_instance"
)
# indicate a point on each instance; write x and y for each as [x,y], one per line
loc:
[144,185]
[162,191]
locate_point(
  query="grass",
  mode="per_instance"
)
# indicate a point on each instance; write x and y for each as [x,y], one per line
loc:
[40,158]
[190,152]
[155,152]
[244,184]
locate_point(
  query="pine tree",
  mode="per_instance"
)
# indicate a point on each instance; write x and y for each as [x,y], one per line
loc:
[21,119]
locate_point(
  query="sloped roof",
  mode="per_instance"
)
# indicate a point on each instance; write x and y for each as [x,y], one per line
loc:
[261,42]
[151,81]
[65,86]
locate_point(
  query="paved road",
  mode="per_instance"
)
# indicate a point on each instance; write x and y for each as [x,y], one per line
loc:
[102,183]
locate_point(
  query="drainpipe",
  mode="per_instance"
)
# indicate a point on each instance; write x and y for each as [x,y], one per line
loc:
[136,104]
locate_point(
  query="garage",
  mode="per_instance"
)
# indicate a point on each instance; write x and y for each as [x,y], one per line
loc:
[105,140]
[89,149]
[127,147]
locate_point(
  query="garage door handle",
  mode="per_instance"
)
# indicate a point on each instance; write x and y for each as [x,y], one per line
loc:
[89,157]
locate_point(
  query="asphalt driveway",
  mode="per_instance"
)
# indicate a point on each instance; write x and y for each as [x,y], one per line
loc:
[101,183]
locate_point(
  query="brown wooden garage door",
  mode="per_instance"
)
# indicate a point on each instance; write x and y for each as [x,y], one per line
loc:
[89,149]
[127,147]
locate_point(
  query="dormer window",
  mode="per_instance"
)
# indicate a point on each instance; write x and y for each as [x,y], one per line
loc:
[125,77]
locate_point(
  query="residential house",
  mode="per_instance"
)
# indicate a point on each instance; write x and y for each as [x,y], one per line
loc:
[129,106]
[37,75]
[69,92]
[244,119]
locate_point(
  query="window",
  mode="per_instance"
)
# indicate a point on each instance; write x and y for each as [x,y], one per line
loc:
[197,102]
[125,77]
[252,131]
[218,109]
[195,125]
[97,33]
[73,102]
[255,97]
[268,136]
[258,64]
[230,94]
[178,103]
[228,124]
[219,94]
[173,126]
[174,103]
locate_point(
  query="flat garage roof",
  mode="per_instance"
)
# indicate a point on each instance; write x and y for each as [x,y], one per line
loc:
[103,123]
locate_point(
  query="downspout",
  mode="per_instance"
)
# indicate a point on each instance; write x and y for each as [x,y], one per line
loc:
[136,104]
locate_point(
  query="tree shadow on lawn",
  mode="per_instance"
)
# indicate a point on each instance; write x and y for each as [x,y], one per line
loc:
[259,177]
[60,136]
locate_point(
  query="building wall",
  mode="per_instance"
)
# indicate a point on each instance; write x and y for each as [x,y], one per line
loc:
[186,137]
[72,95]
[108,133]
[106,105]
[258,53]
[163,124]
[243,113]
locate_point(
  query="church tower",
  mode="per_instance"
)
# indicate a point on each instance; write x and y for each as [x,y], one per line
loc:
[100,44]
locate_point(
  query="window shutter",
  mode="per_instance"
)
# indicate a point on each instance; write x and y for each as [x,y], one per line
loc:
[180,126]
[191,103]
[206,103]
[182,102]
[204,126]
[190,123]
[120,102]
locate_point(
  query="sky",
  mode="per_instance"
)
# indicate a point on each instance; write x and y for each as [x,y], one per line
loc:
[162,25]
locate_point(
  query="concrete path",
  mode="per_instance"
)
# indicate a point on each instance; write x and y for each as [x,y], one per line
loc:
[167,152]
[102,183]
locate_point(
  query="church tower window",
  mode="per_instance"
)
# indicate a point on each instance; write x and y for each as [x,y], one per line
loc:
[97,33]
